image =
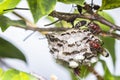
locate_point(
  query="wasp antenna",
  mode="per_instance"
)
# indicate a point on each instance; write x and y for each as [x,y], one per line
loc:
[80,24]
[72,8]
[42,38]
[29,35]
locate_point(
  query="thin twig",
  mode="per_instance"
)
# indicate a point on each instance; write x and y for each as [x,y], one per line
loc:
[38,76]
[16,8]
[114,35]
[52,23]
[55,29]
[28,36]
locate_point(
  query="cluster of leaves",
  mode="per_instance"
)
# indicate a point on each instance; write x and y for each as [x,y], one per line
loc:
[40,8]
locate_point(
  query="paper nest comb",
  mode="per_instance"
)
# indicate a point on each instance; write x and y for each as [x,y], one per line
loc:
[72,46]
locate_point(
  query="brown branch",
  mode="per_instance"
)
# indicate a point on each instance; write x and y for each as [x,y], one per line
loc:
[70,17]
[55,29]
[106,22]
[109,34]
[33,27]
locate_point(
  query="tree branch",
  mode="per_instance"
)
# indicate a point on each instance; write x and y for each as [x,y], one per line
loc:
[70,17]
[55,29]
[113,35]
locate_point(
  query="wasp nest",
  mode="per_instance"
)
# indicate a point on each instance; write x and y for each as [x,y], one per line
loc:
[76,47]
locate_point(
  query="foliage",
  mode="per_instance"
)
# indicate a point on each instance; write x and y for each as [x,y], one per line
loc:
[39,9]
[107,17]
[5,22]
[78,2]
[108,75]
[9,50]
[7,4]
[109,42]
[110,4]
[13,74]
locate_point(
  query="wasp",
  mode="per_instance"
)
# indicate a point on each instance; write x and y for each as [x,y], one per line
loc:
[94,28]
[89,8]
[80,23]
[96,46]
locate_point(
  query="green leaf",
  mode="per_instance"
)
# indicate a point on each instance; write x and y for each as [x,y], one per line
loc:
[78,2]
[73,77]
[9,74]
[13,74]
[1,72]
[8,50]
[83,71]
[26,76]
[116,77]
[5,22]
[7,4]
[107,74]
[19,23]
[106,16]
[110,4]
[40,8]
[109,44]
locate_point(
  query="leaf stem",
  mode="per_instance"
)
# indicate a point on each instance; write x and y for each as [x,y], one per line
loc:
[16,8]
